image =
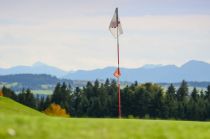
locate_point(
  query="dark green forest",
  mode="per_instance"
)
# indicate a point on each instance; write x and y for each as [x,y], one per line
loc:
[138,100]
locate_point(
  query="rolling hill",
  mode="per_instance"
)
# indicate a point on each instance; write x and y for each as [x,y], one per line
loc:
[9,106]
[32,81]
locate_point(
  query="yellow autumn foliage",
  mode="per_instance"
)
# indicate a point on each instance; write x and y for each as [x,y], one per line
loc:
[56,110]
[1,93]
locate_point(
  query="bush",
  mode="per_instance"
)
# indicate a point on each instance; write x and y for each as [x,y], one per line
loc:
[56,110]
[146,116]
[131,117]
[1,93]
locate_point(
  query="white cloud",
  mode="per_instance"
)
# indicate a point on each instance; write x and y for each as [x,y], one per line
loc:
[84,42]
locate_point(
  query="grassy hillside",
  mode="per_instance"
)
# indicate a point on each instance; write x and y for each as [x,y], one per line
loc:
[8,106]
[19,124]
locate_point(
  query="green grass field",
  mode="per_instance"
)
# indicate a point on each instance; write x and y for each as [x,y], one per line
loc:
[20,122]
[39,92]
[42,92]
[9,107]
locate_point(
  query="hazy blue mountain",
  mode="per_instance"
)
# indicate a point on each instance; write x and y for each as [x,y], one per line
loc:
[190,71]
[151,66]
[37,68]
[91,74]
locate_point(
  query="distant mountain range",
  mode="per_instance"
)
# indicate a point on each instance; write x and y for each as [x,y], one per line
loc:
[37,68]
[190,71]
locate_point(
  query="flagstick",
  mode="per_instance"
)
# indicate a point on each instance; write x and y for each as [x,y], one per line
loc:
[119,100]
[118,79]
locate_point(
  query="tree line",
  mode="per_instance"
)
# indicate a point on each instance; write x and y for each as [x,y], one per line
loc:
[138,100]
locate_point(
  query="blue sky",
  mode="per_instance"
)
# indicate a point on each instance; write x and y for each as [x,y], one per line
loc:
[74,34]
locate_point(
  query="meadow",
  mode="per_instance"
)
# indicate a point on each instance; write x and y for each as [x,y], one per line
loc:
[20,122]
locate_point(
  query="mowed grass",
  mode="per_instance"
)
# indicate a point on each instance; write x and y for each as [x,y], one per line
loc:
[10,107]
[26,126]
[39,92]
[42,92]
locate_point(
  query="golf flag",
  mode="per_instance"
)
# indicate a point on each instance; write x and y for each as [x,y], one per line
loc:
[117,73]
[115,25]
[116,30]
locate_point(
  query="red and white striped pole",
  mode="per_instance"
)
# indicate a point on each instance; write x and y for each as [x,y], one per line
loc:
[118,63]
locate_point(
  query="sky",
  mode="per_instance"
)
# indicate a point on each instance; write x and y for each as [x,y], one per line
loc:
[74,35]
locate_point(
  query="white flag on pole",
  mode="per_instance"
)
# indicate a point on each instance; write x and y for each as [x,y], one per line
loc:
[115,24]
